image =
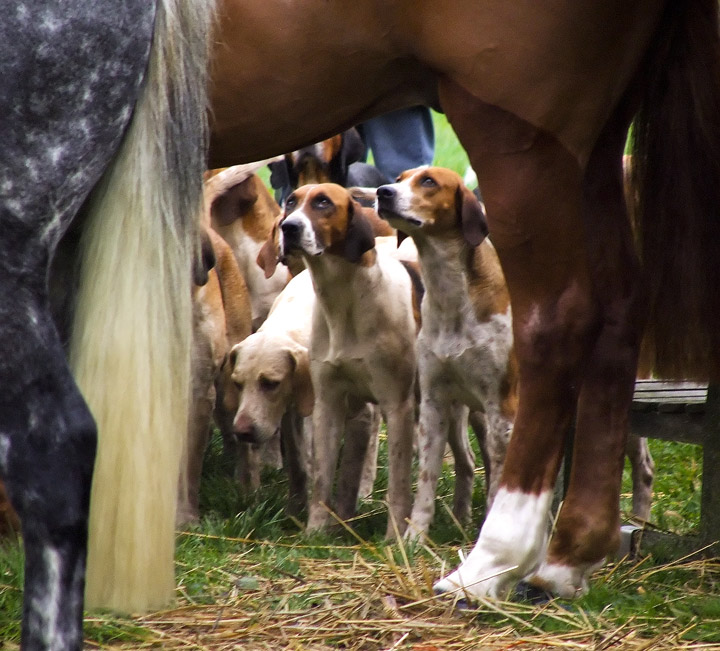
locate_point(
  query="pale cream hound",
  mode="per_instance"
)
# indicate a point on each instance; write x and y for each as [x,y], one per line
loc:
[465,345]
[362,344]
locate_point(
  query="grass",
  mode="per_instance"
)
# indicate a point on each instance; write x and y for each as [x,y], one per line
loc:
[248,577]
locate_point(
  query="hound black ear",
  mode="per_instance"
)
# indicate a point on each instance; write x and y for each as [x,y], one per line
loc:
[205,261]
[472,217]
[359,237]
[351,151]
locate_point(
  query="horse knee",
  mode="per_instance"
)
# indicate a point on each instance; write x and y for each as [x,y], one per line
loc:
[556,334]
[49,471]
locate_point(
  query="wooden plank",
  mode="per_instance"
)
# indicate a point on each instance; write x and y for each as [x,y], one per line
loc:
[687,427]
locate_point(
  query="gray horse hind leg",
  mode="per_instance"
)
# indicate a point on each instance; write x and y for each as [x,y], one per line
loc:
[72,72]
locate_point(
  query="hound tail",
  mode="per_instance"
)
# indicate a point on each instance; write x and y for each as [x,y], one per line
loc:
[676,181]
[130,350]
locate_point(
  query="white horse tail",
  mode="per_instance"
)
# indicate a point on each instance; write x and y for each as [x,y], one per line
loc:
[130,349]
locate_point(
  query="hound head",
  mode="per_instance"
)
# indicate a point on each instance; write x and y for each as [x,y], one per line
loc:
[327,161]
[268,374]
[433,201]
[324,218]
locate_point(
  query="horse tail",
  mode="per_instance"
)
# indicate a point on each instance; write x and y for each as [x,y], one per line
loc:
[676,183]
[131,341]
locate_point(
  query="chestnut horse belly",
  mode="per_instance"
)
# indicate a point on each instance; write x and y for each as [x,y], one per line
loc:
[290,73]
[286,74]
[561,66]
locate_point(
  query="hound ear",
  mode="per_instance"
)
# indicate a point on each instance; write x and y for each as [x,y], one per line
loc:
[227,392]
[205,261]
[269,254]
[302,382]
[235,202]
[472,217]
[359,237]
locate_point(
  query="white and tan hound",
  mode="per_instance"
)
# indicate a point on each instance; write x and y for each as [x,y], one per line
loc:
[465,354]
[243,212]
[362,345]
[465,345]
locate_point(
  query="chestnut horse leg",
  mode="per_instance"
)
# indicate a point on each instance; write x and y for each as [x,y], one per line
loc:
[535,197]
[587,528]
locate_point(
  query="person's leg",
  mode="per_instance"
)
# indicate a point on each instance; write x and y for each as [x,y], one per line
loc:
[400,140]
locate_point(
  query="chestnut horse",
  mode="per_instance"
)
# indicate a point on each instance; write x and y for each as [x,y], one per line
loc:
[541,95]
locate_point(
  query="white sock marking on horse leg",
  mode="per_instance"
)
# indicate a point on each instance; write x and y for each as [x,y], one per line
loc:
[49,604]
[564,581]
[511,545]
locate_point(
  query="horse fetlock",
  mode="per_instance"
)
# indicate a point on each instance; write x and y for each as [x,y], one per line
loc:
[511,545]
[564,580]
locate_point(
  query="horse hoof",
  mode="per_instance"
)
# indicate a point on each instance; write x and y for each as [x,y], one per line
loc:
[530,594]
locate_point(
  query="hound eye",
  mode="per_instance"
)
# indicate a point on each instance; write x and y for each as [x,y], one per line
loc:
[266,384]
[239,386]
[321,201]
[428,182]
[290,202]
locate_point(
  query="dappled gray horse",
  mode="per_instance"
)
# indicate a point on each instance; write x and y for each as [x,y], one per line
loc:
[93,94]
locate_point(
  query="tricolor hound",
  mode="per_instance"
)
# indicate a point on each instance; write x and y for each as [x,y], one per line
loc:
[362,345]
[465,345]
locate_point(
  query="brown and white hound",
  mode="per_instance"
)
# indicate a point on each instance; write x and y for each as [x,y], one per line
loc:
[243,212]
[465,356]
[221,318]
[465,345]
[362,344]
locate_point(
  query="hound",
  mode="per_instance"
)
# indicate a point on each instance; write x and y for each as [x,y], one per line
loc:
[465,345]
[362,346]
[338,159]
[270,371]
[270,392]
[243,213]
[221,318]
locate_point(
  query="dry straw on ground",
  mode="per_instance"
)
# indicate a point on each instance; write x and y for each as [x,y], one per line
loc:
[386,604]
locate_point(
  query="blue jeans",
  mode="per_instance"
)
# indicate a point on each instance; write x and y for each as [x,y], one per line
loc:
[400,140]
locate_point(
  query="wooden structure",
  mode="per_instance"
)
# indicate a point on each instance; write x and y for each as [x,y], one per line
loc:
[689,413]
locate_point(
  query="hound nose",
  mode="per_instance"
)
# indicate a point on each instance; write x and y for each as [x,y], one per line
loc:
[386,192]
[244,429]
[290,228]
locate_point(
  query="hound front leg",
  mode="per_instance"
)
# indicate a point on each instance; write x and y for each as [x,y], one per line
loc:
[438,416]
[464,459]
[328,422]
[400,425]
[294,434]
[358,432]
